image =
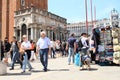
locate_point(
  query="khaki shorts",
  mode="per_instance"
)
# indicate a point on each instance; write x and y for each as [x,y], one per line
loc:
[6,55]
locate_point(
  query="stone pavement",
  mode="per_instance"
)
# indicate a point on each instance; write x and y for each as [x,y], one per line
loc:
[60,70]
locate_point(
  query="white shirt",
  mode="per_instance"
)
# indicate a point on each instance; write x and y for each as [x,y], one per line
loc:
[52,44]
[43,43]
[84,43]
[91,43]
[57,46]
[26,45]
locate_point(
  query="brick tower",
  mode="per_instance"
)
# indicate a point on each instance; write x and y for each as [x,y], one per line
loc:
[0,18]
[7,13]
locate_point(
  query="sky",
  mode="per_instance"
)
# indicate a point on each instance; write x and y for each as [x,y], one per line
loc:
[74,10]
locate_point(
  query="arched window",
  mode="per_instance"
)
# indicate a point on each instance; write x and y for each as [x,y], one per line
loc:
[22,2]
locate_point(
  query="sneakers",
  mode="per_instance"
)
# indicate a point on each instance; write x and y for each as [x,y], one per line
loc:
[23,72]
[11,68]
[30,69]
[81,68]
[32,60]
[45,70]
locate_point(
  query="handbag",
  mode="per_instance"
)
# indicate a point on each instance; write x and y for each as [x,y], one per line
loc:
[22,51]
[77,59]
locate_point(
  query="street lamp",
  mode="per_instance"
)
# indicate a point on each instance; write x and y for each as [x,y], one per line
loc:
[91,13]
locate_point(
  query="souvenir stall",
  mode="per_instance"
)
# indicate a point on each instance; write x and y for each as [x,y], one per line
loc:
[105,49]
[116,45]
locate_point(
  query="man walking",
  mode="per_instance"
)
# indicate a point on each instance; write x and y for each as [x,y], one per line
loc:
[7,47]
[16,54]
[43,45]
[71,47]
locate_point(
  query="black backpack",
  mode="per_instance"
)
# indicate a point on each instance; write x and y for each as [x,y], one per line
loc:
[79,45]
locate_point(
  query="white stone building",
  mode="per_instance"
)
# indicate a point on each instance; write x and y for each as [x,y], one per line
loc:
[32,21]
[79,28]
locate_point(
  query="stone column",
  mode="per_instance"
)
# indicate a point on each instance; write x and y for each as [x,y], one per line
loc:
[52,34]
[32,33]
[35,36]
[48,33]
[20,35]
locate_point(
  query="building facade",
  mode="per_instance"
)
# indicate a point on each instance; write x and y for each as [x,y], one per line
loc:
[32,21]
[8,7]
[80,27]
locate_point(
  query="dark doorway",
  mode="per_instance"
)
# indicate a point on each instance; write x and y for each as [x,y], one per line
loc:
[23,30]
[54,36]
[18,34]
[29,34]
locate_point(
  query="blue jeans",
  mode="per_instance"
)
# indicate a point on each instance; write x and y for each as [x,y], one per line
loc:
[84,52]
[16,56]
[70,54]
[26,62]
[52,53]
[44,57]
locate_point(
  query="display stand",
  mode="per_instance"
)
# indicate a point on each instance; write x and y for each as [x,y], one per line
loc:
[106,42]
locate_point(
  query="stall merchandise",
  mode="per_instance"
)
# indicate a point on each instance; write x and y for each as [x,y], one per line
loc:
[116,45]
[106,53]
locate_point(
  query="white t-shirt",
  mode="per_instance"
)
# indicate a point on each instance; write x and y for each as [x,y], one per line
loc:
[83,40]
[26,45]
[52,44]
[57,45]
[43,43]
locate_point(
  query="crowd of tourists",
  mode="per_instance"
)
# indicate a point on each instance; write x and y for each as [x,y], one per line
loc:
[25,51]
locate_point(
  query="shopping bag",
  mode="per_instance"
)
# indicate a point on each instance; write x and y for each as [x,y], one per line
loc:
[77,59]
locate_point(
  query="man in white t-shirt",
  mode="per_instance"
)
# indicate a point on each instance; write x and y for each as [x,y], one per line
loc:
[43,45]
